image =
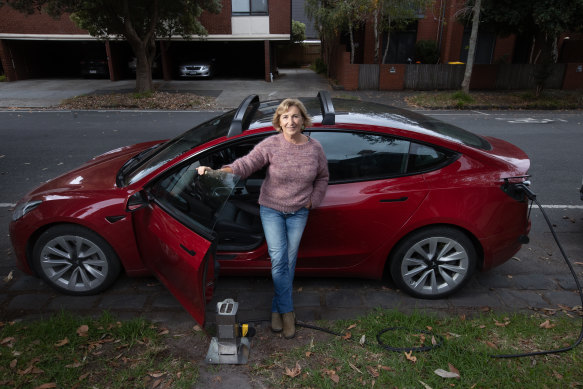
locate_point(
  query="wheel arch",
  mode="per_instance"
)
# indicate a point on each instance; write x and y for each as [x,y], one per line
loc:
[34,237]
[477,245]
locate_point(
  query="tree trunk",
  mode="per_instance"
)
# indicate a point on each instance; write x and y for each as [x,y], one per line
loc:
[544,63]
[472,47]
[388,42]
[351,42]
[144,48]
[376,35]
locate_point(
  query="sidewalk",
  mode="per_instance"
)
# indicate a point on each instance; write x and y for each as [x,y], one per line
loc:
[46,93]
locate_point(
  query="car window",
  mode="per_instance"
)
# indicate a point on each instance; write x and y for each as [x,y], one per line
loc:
[194,200]
[356,156]
[424,158]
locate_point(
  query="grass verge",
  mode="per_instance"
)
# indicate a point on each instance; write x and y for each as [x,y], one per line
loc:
[462,361]
[67,351]
[550,99]
[150,101]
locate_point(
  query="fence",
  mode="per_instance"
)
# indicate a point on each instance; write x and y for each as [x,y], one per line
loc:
[450,77]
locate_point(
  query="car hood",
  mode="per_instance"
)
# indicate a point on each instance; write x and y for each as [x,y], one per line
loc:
[98,173]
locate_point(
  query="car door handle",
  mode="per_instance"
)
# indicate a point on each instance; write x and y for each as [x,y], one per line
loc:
[191,252]
[394,200]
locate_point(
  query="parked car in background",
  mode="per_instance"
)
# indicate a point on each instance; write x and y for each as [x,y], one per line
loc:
[200,68]
[156,69]
[410,197]
[94,67]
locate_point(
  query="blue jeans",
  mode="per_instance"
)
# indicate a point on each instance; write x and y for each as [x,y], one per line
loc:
[283,232]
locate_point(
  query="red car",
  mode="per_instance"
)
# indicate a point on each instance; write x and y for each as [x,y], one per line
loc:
[409,196]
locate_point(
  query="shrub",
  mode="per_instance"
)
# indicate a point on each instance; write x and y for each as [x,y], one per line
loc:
[426,52]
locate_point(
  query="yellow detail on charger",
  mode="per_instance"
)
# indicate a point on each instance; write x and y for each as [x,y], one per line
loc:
[244,329]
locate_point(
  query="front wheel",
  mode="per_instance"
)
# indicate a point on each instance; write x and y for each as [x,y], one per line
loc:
[433,263]
[75,260]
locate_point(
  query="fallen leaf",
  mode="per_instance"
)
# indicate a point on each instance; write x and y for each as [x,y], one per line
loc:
[73,365]
[163,331]
[354,367]
[547,324]
[10,339]
[425,385]
[374,372]
[446,374]
[409,355]
[82,377]
[61,343]
[351,326]
[13,363]
[492,345]
[9,277]
[362,339]
[453,369]
[196,328]
[308,354]
[47,386]
[293,372]
[347,336]
[332,375]
[386,368]
[500,324]
[83,330]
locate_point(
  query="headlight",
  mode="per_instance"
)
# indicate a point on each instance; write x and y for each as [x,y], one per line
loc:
[24,208]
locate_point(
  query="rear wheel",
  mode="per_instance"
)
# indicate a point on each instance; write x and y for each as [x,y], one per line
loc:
[434,262]
[75,260]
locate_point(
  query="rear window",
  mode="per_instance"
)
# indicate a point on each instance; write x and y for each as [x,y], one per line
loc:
[360,156]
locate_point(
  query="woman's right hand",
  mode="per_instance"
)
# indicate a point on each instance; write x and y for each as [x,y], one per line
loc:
[203,169]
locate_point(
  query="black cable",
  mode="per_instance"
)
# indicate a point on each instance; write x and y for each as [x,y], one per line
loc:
[532,197]
[379,340]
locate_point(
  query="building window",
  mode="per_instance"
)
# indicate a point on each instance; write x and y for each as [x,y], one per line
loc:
[249,7]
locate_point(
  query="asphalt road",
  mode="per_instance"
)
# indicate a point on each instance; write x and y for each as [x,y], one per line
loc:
[38,145]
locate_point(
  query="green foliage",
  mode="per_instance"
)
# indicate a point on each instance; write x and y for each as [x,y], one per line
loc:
[426,51]
[356,360]
[139,22]
[298,32]
[319,66]
[67,351]
[3,78]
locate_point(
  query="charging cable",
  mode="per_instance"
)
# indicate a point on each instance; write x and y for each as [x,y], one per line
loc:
[523,186]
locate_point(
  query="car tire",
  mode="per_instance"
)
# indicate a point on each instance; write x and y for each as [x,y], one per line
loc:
[75,260]
[434,262]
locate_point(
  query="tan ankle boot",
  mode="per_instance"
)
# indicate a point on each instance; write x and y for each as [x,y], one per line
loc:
[289,325]
[276,322]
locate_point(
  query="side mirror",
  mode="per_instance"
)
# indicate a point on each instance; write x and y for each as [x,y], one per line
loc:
[137,201]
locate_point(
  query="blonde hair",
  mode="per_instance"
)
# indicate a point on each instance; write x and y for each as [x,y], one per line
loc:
[284,106]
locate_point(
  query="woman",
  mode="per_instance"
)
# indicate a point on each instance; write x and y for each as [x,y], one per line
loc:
[296,181]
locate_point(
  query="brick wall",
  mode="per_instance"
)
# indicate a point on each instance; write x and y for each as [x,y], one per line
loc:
[392,77]
[483,76]
[218,23]
[14,22]
[504,49]
[280,16]
[573,77]
[345,73]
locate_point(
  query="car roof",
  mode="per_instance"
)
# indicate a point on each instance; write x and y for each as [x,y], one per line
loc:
[327,111]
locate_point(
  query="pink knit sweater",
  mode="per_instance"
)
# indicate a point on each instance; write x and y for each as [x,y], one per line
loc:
[296,174]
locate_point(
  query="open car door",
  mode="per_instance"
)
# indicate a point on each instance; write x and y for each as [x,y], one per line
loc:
[173,221]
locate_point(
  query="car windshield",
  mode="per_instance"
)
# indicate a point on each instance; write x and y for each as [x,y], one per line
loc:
[212,129]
